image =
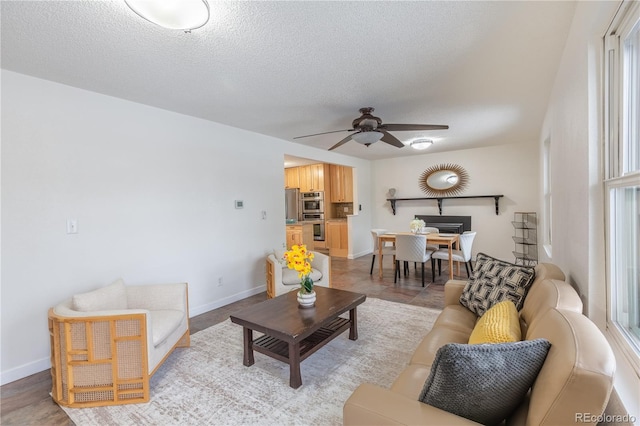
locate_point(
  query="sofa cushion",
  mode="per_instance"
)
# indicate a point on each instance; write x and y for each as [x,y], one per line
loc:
[111,297]
[494,280]
[456,317]
[500,324]
[411,380]
[426,351]
[279,255]
[483,383]
[547,294]
[163,322]
[290,276]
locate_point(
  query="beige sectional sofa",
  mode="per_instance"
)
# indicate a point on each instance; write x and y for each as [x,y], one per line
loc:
[576,377]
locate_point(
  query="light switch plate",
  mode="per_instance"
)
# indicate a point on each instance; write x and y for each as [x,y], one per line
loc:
[72,226]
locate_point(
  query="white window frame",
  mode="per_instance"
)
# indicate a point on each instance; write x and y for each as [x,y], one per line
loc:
[617,174]
[547,240]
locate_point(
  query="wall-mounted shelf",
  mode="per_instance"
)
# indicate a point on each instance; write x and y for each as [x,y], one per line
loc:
[439,200]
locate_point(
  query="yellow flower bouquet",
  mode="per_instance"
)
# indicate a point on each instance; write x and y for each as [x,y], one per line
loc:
[299,259]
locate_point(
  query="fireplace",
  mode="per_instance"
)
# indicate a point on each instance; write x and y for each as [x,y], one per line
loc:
[448,224]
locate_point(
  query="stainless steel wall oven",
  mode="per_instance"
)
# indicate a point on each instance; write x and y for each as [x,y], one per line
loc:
[313,211]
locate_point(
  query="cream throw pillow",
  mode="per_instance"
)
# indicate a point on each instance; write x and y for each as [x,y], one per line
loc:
[111,297]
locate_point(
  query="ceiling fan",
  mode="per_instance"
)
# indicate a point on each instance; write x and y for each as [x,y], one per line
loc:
[369,129]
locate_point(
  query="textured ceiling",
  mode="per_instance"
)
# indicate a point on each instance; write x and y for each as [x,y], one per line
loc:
[286,69]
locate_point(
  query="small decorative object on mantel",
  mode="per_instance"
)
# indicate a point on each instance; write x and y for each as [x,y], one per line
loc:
[392,192]
[416,225]
[444,180]
[299,259]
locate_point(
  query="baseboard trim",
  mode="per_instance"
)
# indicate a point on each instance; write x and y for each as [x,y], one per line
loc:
[24,370]
[227,300]
[357,255]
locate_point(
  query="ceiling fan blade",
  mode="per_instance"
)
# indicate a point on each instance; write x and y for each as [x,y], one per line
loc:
[396,127]
[342,142]
[324,133]
[391,140]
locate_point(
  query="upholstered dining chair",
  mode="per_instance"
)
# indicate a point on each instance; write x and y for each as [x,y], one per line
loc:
[462,255]
[388,250]
[431,230]
[412,248]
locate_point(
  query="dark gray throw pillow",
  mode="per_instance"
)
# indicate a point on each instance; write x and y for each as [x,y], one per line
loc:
[484,383]
[494,280]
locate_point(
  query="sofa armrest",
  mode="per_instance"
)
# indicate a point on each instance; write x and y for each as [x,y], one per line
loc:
[373,405]
[453,291]
[274,276]
[320,262]
[158,296]
[99,358]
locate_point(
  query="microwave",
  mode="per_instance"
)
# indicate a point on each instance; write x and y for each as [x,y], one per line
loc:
[312,202]
[312,196]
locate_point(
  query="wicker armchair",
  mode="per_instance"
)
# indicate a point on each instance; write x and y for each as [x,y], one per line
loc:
[106,344]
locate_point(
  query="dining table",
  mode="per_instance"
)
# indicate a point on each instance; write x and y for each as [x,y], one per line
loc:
[451,240]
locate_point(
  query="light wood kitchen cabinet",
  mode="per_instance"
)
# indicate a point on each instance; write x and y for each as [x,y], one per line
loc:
[300,234]
[337,236]
[291,177]
[311,177]
[341,184]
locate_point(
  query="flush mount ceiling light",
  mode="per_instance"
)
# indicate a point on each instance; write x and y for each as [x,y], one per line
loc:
[367,137]
[184,15]
[421,143]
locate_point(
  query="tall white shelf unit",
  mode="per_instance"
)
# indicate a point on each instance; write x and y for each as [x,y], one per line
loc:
[525,236]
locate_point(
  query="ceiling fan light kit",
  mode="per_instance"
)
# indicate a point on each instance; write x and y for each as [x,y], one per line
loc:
[367,137]
[369,129]
[421,144]
[183,15]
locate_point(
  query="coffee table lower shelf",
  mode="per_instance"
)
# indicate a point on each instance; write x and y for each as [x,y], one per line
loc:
[279,349]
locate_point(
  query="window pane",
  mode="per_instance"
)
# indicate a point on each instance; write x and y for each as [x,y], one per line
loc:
[631,102]
[625,211]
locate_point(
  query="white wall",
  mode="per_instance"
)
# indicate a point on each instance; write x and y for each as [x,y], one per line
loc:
[511,170]
[573,124]
[153,193]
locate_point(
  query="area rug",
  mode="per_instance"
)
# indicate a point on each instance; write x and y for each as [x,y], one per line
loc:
[207,383]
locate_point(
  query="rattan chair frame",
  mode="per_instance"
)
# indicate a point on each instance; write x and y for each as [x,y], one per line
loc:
[102,360]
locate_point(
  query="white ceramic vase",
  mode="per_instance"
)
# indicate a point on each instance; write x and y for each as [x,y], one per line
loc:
[306,300]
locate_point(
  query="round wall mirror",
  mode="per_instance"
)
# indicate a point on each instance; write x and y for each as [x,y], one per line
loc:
[444,180]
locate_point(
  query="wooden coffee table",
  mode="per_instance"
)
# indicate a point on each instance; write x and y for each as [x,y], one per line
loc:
[292,334]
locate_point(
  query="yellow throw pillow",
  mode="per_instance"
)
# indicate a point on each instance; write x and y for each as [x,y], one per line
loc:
[500,324]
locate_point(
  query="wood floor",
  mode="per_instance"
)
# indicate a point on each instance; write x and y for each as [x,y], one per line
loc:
[27,401]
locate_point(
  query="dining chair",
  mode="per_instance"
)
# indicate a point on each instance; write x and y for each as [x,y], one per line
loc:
[462,255]
[431,230]
[389,250]
[412,248]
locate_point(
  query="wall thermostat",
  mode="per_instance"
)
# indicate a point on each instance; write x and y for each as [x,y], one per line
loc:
[239,204]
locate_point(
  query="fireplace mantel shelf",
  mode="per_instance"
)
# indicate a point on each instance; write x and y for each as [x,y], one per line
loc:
[439,199]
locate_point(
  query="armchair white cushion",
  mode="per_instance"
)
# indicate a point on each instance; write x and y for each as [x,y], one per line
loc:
[281,279]
[132,330]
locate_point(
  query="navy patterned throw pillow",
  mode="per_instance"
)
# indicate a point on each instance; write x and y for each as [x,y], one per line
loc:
[494,280]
